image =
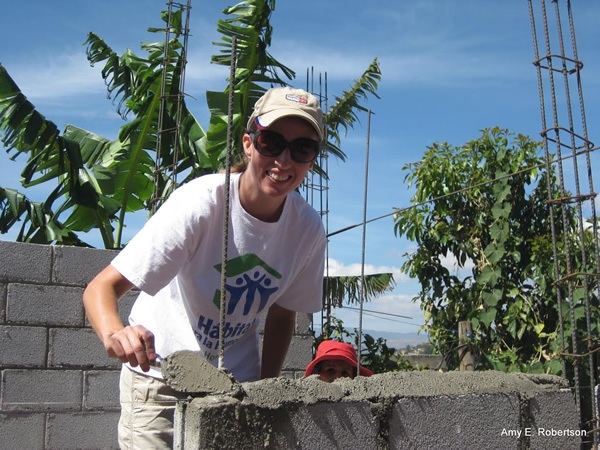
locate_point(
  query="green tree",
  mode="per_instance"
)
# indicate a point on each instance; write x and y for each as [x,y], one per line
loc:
[484,206]
[96,182]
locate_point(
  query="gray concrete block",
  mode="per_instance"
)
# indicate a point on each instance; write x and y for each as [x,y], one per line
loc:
[77,430]
[101,390]
[553,421]
[261,323]
[299,353]
[126,303]
[3,289]
[23,346]
[303,323]
[78,347]
[27,262]
[22,431]
[41,390]
[289,374]
[327,425]
[79,265]
[213,422]
[44,305]
[466,422]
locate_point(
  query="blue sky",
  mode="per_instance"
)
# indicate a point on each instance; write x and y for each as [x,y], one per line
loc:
[449,69]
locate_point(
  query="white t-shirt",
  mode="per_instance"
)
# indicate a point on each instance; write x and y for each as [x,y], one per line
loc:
[175,260]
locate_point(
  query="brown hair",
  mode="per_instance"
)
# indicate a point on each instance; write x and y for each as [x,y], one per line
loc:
[240,164]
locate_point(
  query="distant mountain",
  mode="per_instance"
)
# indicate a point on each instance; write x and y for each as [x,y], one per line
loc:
[399,340]
[393,339]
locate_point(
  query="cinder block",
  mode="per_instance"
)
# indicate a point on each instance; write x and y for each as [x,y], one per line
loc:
[41,390]
[78,347]
[45,305]
[226,423]
[299,353]
[22,431]
[23,346]
[303,323]
[3,290]
[469,421]
[79,265]
[27,262]
[126,303]
[327,425]
[553,421]
[261,324]
[289,374]
[77,430]
[101,390]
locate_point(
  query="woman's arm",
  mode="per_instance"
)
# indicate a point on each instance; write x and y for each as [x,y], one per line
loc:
[134,345]
[279,329]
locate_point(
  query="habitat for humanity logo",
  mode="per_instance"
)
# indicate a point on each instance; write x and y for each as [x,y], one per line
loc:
[248,278]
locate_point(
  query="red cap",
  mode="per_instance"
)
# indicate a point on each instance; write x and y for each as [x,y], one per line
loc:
[341,351]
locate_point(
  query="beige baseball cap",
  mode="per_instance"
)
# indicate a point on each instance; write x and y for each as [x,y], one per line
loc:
[286,101]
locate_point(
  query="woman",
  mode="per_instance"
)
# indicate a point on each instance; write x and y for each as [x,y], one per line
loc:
[275,264]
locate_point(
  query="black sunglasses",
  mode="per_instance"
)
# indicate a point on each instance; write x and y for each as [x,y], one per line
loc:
[269,143]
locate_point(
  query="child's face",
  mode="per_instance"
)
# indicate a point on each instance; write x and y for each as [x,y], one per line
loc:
[333,369]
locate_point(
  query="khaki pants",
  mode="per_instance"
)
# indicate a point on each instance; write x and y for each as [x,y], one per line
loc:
[147,412]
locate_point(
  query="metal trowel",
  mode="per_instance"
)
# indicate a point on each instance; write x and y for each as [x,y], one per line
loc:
[188,372]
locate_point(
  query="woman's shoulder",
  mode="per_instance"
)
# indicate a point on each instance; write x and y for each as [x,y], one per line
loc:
[209,180]
[205,185]
[305,214]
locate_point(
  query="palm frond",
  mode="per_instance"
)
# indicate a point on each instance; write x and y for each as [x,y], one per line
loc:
[343,114]
[337,289]
[39,225]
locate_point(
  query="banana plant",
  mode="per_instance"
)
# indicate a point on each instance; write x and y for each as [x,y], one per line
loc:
[249,23]
[98,181]
[52,156]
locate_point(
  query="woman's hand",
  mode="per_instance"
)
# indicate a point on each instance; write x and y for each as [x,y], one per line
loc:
[133,345]
[128,344]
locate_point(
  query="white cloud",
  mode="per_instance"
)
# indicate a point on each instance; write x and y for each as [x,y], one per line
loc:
[338,268]
[59,77]
[451,263]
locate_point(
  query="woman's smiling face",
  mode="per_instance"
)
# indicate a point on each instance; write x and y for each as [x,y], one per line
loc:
[277,176]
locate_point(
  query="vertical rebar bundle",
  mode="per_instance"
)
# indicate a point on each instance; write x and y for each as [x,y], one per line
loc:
[568,151]
[316,185]
[165,175]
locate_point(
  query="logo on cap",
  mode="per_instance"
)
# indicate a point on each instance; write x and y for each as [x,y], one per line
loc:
[296,98]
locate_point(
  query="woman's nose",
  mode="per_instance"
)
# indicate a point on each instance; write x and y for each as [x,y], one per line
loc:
[285,157]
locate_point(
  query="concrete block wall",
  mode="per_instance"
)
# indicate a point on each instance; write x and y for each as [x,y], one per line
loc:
[58,389]
[399,410]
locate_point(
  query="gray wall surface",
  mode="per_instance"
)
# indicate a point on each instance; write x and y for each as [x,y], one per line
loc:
[58,388]
[396,410]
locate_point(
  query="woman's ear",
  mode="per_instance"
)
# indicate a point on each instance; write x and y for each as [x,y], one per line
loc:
[247,144]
